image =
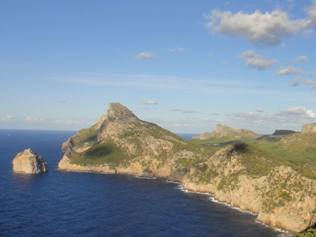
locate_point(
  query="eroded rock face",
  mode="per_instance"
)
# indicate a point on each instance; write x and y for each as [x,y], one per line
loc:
[309,128]
[29,162]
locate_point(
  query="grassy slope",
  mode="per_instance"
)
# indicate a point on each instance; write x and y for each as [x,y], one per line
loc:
[296,150]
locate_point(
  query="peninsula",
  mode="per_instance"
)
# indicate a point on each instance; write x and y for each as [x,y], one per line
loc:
[241,174]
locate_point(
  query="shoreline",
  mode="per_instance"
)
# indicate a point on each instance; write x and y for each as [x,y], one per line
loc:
[182,189]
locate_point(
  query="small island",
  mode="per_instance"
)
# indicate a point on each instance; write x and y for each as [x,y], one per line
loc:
[29,162]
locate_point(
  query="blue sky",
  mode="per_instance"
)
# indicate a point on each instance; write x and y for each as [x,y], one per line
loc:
[184,65]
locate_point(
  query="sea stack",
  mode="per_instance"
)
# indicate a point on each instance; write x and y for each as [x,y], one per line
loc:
[29,162]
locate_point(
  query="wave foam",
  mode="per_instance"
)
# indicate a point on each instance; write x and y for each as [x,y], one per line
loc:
[144,177]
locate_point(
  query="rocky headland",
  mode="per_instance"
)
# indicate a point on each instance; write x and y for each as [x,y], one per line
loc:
[225,131]
[29,162]
[241,174]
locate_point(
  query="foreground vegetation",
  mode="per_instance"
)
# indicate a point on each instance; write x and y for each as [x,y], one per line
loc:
[309,233]
[295,150]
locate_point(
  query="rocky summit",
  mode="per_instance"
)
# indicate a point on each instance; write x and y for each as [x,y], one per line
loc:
[240,174]
[29,162]
[225,131]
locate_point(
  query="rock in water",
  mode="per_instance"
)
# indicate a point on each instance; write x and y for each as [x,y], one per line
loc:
[29,162]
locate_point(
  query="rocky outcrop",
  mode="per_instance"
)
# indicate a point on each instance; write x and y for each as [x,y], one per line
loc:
[29,162]
[309,128]
[283,132]
[145,145]
[225,131]
[241,175]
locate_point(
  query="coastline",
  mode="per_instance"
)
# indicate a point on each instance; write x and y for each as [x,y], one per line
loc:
[182,188]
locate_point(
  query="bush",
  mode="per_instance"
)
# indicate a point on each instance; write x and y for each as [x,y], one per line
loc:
[241,147]
[309,233]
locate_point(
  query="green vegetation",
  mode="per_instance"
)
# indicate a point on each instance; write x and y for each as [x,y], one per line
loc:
[295,150]
[218,142]
[101,153]
[256,161]
[309,233]
[146,170]
[88,135]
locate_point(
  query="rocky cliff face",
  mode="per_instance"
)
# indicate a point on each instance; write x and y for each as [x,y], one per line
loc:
[241,175]
[29,162]
[309,128]
[225,131]
[282,197]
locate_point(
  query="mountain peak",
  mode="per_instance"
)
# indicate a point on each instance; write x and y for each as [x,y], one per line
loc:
[118,110]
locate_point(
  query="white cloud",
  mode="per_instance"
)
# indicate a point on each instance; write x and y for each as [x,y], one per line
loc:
[176,49]
[289,71]
[262,29]
[299,111]
[311,83]
[7,118]
[290,118]
[150,102]
[33,119]
[310,22]
[295,82]
[256,60]
[71,121]
[145,55]
[185,111]
[302,59]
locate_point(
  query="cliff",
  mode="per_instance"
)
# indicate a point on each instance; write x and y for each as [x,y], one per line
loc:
[225,131]
[260,183]
[29,162]
[241,175]
[309,128]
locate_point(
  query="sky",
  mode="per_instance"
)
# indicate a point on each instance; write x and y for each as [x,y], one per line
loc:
[184,65]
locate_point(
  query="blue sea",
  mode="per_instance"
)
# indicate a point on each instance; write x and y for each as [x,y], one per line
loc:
[60,203]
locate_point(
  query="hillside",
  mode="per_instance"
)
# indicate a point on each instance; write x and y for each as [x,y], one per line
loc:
[120,142]
[241,174]
[223,131]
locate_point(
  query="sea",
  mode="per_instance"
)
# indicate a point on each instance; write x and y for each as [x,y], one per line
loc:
[63,203]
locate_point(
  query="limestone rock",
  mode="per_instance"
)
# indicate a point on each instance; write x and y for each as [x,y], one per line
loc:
[309,128]
[29,162]
[225,131]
